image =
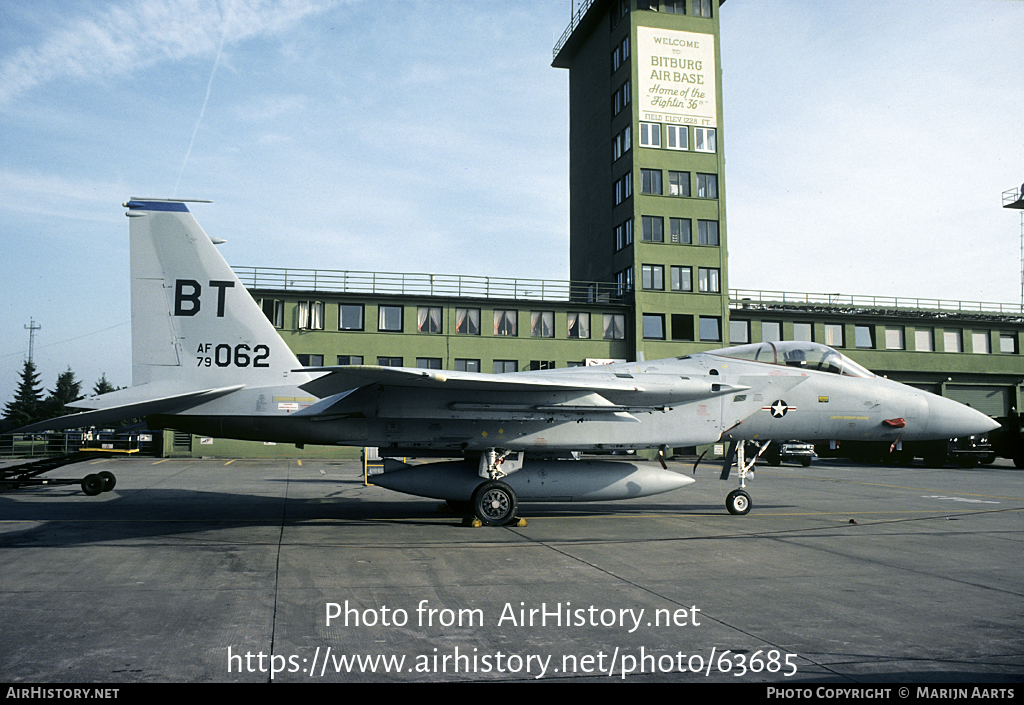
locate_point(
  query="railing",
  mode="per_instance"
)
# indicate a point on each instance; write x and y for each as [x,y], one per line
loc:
[584,6]
[416,284]
[745,298]
[1012,196]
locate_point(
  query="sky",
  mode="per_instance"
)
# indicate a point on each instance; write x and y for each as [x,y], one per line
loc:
[866,150]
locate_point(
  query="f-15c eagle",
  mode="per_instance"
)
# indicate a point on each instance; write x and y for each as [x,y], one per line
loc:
[205,359]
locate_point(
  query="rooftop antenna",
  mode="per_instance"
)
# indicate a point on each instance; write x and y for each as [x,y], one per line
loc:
[32,328]
[1014,198]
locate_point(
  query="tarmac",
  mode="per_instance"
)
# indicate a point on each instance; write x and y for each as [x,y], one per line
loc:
[289,571]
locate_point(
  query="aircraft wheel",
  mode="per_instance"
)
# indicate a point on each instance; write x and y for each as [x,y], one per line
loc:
[108,480]
[92,485]
[738,502]
[494,503]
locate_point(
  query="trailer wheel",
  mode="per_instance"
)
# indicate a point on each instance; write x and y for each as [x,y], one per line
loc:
[92,485]
[108,480]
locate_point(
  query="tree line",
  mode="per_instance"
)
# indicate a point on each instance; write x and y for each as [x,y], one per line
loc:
[30,405]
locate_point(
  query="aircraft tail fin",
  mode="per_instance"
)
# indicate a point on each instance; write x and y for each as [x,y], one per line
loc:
[194,325]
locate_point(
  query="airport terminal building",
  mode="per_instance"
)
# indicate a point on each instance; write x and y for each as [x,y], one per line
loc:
[648,241]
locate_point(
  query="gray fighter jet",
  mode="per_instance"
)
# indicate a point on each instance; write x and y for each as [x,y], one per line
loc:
[207,360]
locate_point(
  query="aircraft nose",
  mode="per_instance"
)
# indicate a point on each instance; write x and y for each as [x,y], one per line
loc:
[950,419]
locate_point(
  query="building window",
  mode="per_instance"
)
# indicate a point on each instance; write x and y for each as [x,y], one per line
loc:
[653,277]
[624,234]
[650,134]
[620,143]
[894,339]
[650,181]
[350,317]
[579,325]
[682,326]
[311,360]
[953,341]
[677,137]
[681,278]
[621,52]
[677,7]
[710,328]
[654,326]
[707,232]
[467,365]
[702,8]
[924,340]
[311,315]
[979,343]
[501,366]
[428,319]
[679,183]
[621,98]
[542,364]
[624,280]
[623,188]
[389,318]
[834,335]
[542,324]
[653,228]
[707,280]
[864,337]
[739,332]
[467,321]
[803,332]
[679,231]
[505,322]
[614,326]
[274,311]
[389,361]
[428,363]
[771,331]
[705,139]
[350,359]
[1008,343]
[707,185]
[620,9]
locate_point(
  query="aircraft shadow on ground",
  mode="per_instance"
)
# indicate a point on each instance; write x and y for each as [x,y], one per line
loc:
[54,519]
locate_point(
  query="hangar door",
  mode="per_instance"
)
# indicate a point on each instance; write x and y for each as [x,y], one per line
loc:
[991,400]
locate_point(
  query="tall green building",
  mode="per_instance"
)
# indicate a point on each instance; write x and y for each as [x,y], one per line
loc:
[646,175]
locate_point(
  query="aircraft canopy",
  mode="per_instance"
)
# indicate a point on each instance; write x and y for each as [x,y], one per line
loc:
[795,353]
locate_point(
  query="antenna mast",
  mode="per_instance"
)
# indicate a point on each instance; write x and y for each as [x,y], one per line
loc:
[32,328]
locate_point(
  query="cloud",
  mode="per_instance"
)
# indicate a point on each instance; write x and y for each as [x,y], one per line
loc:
[119,39]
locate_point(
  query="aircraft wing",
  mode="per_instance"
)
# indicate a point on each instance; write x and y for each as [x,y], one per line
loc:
[521,395]
[120,412]
[347,377]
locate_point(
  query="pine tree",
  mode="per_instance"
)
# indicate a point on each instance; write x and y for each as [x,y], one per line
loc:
[68,389]
[103,386]
[27,404]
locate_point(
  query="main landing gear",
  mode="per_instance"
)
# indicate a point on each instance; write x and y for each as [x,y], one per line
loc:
[494,502]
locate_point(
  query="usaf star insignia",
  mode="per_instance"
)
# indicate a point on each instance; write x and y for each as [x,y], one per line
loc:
[778,408]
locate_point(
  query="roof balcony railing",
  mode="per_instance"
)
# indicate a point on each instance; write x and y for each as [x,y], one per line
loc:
[432,285]
[747,298]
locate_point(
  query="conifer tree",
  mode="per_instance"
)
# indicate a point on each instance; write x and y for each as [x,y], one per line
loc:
[102,386]
[27,404]
[67,390]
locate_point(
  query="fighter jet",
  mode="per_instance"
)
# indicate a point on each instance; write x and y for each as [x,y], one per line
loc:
[206,359]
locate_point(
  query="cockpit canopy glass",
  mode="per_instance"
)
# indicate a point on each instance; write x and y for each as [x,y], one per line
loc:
[795,353]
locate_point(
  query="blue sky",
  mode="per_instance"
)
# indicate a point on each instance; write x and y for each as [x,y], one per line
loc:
[866,149]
